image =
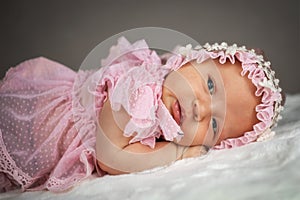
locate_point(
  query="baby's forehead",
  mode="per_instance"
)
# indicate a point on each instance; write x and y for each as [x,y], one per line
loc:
[214,68]
[227,78]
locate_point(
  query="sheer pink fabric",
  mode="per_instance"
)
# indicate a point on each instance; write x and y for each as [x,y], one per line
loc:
[41,145]
[49,113]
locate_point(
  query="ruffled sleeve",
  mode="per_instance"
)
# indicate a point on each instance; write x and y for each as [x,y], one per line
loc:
[133,75]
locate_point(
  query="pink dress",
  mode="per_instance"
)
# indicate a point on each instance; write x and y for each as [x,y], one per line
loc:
[48,114]
[39,142]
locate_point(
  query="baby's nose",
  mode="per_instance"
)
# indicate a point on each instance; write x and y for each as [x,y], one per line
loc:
[201,110]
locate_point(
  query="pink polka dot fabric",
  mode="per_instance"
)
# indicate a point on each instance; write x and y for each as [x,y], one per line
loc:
[49,115]
[40,145]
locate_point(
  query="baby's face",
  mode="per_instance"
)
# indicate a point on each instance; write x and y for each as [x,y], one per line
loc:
[210,101]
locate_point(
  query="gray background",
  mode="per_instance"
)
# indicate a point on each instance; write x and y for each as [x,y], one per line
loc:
[66,31]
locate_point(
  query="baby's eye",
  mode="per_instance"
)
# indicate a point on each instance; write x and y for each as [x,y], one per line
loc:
[214,125]
[210,85]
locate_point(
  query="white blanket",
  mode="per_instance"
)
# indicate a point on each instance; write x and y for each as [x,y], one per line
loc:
[261,170]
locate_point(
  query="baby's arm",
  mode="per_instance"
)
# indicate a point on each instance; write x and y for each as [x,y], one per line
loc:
[138,157]
[116,156]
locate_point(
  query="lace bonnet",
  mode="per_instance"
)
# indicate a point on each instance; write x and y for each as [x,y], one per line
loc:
[262,76]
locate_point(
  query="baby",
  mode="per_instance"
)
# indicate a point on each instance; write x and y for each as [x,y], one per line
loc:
[138,111]
[206,93]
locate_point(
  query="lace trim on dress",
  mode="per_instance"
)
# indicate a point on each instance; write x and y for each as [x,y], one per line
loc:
[59,185]
[9,167]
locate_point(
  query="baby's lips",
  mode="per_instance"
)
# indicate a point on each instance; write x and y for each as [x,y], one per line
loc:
[176,111]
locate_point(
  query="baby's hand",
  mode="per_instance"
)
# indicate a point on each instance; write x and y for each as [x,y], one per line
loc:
[194,151]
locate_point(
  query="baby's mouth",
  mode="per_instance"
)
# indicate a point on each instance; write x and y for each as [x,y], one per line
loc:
[176,111]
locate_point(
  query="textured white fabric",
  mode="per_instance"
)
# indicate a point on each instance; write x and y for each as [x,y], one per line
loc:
[261,170]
